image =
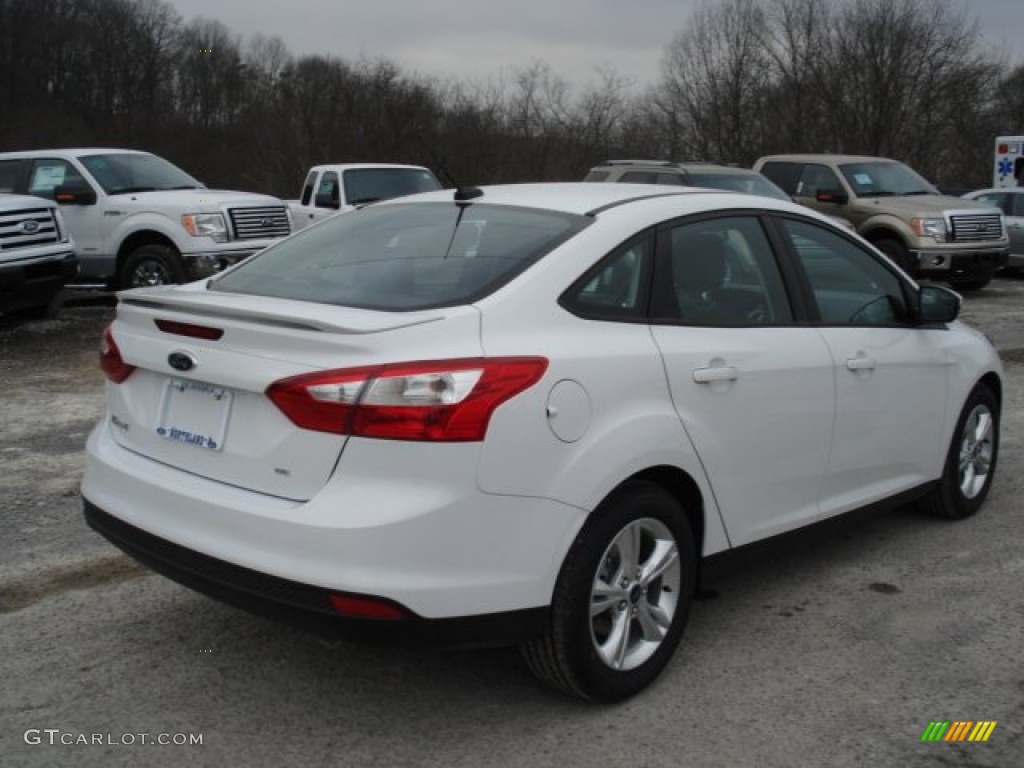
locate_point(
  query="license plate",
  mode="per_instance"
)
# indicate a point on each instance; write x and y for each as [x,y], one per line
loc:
[194,413]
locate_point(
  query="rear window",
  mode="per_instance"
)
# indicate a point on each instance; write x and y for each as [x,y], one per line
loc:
[404,257]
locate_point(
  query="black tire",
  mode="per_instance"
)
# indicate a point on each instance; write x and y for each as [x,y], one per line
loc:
[153,264]
[961,492]
[571,655]
[897,251]
[971,285]
[47,311]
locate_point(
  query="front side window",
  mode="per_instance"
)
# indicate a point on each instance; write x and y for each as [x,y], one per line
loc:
[816,178]
[328,192]
[720,272]
[47,175]
[850,285]
[404,257]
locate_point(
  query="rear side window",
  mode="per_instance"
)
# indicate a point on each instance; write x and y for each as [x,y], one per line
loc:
[328,193]
[638,177]
[785,175]
[617,288]
[47,175]
[404,257]
[720,272]
[596,176]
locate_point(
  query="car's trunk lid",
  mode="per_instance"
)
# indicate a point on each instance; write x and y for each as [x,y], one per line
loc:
[199,404]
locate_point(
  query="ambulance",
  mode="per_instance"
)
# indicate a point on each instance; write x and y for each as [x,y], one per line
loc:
[1008,169]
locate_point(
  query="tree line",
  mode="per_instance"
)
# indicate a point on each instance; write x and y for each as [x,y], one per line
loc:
[910,79]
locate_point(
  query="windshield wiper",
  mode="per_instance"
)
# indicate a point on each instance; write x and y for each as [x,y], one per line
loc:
[917,192]
[364,201]
[129,190]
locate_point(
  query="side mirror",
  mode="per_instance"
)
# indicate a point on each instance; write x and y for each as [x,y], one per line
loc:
[327,200]
[77,194]
[832,196]
[938,304]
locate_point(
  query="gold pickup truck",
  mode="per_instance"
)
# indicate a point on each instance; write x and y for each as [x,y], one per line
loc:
[928,234]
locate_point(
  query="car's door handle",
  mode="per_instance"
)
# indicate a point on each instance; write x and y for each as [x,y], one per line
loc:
[860,363]
[722,373]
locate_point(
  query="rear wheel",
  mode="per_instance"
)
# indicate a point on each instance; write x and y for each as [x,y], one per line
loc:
[153,264]
[971,461]
[622,597]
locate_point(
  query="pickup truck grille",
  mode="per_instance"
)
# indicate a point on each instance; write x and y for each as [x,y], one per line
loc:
[976,227]
[27,227]
[255,223]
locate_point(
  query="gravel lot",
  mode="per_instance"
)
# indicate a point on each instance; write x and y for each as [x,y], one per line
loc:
[832,646]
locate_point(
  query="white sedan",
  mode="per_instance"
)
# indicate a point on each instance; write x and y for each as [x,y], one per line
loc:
[526,413]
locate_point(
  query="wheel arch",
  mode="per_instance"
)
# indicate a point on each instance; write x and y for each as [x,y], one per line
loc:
[136,240]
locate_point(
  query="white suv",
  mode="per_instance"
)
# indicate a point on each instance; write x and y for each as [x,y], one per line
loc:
[528,412]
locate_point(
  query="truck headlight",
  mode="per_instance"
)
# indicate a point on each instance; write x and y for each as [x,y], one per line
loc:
[933,228]
[209,225]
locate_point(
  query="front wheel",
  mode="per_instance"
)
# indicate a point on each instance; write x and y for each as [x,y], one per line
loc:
[622,598]
[971,461]
[896,251]
[153,264]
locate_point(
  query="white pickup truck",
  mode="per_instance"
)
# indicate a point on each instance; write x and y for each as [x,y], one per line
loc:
[330,189]
[138,220]
[36,256]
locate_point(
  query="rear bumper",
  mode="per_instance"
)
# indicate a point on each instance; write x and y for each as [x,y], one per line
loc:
[302,605]
[33,283]
[418,534]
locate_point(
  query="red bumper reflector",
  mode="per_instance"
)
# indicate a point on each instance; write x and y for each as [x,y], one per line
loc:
[366,608]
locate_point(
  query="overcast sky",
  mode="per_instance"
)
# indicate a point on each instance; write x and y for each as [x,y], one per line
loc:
[477,39]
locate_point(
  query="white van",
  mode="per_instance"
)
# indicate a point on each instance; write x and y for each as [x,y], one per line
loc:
[1008,168]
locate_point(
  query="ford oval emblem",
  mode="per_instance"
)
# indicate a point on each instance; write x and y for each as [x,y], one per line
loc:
[30,227]
[181,361]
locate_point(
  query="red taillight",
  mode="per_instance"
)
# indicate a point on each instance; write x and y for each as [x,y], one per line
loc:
[113,366]
[439,400]
[366,607]
[188,329]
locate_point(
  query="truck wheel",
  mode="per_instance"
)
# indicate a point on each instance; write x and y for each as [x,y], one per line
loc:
[971,285]
[971,461]
[47,311]
[152,264]
[896,251]
[621,599]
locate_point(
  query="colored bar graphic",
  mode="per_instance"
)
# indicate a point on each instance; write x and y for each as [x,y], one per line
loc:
[935,730]
[958,730]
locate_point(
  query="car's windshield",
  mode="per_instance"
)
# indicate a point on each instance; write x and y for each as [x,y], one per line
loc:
[369,184]
[122,173]
[403,257]
[884,179]
[751,183]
